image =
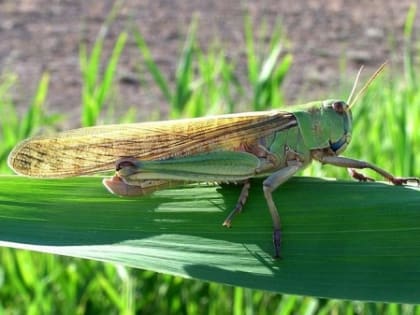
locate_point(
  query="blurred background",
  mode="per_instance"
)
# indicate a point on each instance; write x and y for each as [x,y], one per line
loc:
[328,40]
[65,64]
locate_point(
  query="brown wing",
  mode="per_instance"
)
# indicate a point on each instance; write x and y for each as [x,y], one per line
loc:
[95,149]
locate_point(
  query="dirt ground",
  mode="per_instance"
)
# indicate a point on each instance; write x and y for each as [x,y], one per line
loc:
[39,35]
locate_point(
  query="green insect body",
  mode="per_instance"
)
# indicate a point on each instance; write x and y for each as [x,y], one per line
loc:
[311,131]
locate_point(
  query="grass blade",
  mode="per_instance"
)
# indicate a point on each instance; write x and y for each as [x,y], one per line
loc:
[357,241]
[151,65]
[97,85]
[15,127]
[34,116]
[184,73]
[252,58]
[409,68]
[111,68]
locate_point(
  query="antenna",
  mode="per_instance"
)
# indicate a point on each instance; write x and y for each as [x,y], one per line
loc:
[364,88]
[356,81]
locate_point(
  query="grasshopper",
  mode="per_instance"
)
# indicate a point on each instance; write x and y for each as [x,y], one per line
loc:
[149,156]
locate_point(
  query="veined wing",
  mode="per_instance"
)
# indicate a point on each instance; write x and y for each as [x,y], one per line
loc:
[95,149]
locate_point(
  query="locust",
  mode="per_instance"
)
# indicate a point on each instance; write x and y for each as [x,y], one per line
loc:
[149,156]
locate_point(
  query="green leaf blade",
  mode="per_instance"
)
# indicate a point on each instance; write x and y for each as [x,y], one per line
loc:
[357,241]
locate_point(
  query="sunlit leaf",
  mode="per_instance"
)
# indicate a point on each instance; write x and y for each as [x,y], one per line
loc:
[341,239]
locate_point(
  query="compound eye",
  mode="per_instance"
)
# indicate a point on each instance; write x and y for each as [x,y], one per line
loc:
[340,107]
[125,162]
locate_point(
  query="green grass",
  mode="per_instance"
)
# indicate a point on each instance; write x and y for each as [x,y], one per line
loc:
[97,82]
[384,133]
[18,127]
[205,81]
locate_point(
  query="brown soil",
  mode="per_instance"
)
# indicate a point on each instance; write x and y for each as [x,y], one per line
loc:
[39,35]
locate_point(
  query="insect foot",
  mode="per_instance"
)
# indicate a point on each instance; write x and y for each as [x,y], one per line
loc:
[405,180]
[359,176]
[276,242]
